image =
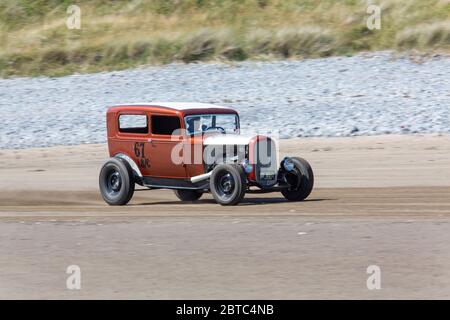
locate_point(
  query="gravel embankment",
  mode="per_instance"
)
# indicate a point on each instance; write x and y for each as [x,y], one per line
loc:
[339,96]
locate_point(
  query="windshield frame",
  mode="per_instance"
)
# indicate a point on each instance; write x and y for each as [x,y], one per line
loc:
[236,116]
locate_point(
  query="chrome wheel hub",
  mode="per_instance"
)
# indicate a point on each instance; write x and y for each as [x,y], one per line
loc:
[114,182]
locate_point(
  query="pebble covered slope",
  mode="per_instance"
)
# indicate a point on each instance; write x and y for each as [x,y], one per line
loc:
[338,96]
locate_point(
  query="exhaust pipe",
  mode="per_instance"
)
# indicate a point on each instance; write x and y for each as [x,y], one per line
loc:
[201,177]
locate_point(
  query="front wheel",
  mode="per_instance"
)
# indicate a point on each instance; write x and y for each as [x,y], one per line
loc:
[300,181]
[116,182]
[228,184]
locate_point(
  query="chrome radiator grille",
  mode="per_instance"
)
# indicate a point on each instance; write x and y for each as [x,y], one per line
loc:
[266,162]
[216,154]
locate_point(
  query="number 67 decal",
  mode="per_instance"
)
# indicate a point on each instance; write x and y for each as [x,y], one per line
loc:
[139,149]
[143,162]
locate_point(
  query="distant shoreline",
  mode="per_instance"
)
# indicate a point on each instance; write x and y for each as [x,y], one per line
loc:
[415,56]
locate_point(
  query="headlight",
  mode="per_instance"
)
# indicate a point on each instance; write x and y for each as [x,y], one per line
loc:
[288,164]
[247,166]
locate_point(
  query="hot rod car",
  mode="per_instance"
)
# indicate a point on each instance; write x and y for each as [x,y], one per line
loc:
[194,148]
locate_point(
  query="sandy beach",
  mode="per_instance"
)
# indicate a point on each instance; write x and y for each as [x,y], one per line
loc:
[381,200]
[358,89]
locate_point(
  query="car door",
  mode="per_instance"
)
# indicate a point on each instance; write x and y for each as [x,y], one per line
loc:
[164,161]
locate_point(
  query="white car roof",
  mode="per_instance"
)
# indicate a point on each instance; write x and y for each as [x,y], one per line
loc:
[178,105]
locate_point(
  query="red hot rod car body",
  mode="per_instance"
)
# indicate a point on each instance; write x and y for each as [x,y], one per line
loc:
[193,148]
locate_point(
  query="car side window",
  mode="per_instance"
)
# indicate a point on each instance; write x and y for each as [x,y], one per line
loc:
[133,123]
[165,125]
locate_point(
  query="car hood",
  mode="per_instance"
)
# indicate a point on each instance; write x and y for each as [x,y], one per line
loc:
[228,139]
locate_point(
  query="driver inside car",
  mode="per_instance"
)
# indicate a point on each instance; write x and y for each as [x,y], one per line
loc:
[193,125]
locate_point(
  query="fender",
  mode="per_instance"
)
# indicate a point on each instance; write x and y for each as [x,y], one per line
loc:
[133,165]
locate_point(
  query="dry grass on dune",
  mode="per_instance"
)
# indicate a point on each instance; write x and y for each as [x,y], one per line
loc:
[425,36]
[121,34]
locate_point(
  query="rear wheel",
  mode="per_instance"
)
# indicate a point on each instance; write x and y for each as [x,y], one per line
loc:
[188,195]
[300,181]
[116,182]
[228,184]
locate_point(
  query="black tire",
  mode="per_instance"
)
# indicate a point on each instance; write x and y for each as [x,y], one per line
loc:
[188,195]
[301,180]
[116,182]
[228,184]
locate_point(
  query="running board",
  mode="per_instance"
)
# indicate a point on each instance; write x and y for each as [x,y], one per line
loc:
[171,183]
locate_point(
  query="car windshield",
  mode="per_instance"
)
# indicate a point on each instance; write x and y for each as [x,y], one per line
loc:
[224,123]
